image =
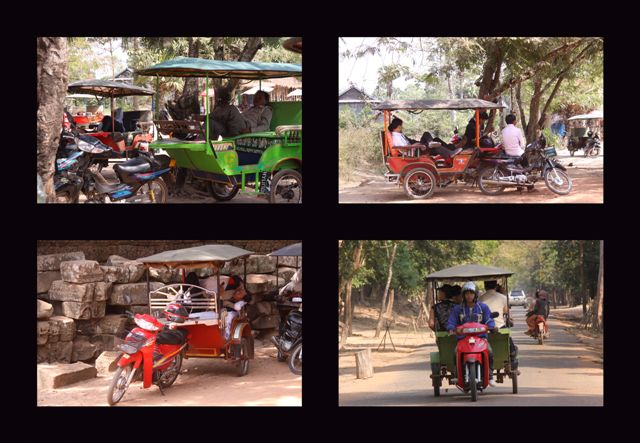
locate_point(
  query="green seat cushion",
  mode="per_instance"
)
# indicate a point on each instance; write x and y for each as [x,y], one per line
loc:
[285,113]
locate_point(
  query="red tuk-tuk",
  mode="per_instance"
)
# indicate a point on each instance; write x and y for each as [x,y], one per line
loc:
[206,322]
[421,173]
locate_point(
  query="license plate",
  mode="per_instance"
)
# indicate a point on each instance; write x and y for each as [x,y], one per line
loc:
[172,163]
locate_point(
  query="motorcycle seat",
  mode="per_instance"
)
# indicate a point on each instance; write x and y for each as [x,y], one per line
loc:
[133,166]
[108,188]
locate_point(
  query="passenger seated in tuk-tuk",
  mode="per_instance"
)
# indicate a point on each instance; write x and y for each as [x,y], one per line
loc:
[497,302]
[456,294]
[471,310]
[440,311]
[399,139]
[258,116]
[470,131]
[234,297]
[225,120]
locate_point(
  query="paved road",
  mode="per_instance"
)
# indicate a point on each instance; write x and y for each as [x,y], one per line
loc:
[559,373]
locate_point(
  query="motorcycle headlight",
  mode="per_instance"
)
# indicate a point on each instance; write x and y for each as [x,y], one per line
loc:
[88,147]
[472,330]
[144,324]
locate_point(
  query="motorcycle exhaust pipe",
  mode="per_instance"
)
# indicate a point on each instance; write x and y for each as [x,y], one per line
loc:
[506,183]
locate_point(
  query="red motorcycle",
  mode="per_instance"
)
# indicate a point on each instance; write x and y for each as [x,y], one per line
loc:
[472,359]
[541,330]
[155,348]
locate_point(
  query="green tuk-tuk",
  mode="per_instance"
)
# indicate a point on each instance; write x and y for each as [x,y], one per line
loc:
[270,160]
[442,361]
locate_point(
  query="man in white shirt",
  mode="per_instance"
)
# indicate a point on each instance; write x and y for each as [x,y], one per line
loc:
[512,138]
[497,302]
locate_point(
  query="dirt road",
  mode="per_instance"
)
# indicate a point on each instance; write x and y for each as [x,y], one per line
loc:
[561,372]
[587,175]
[203,382]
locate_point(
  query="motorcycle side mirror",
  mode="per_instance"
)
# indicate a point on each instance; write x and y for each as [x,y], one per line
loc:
[495,315]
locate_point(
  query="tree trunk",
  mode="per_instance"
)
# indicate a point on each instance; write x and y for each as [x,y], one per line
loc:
[386,291]
[251,47]
[582,286]
[534,111]
[136,98]
[357,253]
[555,303]
[389,310]
[597,312]
[364,367]
[52,57]
[187,104]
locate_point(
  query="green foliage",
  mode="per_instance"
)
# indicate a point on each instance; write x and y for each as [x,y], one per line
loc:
[359,142]
[82,60]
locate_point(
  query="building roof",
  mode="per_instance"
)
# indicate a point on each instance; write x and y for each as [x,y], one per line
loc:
[369,99]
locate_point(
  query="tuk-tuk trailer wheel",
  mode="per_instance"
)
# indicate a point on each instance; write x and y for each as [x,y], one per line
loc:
[419,183]
[243,367]
[436,379]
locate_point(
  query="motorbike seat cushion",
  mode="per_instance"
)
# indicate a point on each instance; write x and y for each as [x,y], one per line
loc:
[134,166]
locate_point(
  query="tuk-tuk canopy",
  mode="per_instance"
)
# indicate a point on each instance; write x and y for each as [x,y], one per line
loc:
[199,256]
[294,250]
[198,67]
[591,116]
[469,272]
[293,44]
[460,103]
[107,88]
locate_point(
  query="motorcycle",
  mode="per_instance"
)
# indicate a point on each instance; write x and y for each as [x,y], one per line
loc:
[140,178]
[289,342]
[536,163]
[157,349]
[540,332]
[592,147]
[472,359]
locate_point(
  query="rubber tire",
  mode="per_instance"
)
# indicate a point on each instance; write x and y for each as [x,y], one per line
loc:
[68,197]
[163,186]
[166,385]
[276,178]
[292,357]
[473,387]
[112,386]
[431,176]
[223,197]
[566,176]
[514,381]
[481,174]
[243,368]
[540,337]
[436,382]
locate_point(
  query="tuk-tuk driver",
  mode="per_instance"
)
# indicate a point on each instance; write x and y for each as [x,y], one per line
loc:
[471,310]
[470,131]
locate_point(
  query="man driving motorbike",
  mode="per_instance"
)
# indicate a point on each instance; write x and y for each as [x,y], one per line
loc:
[471,310]
[540,312]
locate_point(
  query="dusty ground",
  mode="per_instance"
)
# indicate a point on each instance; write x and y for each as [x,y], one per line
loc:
[193,196]
[587,175]
[203,382]
[561,372]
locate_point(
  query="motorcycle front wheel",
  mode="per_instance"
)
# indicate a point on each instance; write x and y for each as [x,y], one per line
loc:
[118,385]
[157,191]
[473,387]
[295,360]
[558,181]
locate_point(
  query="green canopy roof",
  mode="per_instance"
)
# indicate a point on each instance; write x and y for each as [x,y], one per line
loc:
[107,88]
[460,103]
[469,272]
[197,255]
[198,67]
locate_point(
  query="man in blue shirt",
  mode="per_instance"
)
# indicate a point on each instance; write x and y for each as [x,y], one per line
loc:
[471,310]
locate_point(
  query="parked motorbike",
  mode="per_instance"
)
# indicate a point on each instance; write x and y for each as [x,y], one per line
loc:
[472,359]
[289,342]
[157,350]
[140,178]
[536,163]
[592,147]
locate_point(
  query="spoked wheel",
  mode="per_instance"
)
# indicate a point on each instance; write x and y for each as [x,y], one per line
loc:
[243,369]
[419,183]
[491,174]
[223,192]
[154,191]
[295,359]
[558,181]
[118,385]
[472,381]
[286,187]
[170,375]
